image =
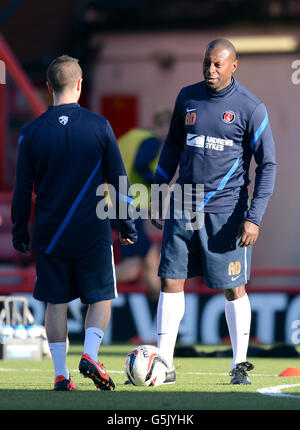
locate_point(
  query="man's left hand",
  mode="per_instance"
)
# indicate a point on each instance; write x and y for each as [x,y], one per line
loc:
[248,234]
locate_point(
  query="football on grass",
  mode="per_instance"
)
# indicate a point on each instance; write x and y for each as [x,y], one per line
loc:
[144,365]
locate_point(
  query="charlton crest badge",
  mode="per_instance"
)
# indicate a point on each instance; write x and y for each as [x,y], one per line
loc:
[228,117]
[63,119]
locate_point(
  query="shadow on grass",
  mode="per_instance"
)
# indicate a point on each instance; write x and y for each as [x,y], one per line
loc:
[120,350]
[103,353]
[141,400]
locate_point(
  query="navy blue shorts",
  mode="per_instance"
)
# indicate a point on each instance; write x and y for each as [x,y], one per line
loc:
[91,278]
[211,252]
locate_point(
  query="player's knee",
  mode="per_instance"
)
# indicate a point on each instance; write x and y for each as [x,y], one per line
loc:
[235,293]
[172,285]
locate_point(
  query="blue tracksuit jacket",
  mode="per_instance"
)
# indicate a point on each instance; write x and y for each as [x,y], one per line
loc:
[213,137]
[66,153]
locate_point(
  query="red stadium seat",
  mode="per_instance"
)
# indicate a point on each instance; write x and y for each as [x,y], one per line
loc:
[5,219]
[7,252]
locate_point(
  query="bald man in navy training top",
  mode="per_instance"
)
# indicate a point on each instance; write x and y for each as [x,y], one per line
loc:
[66,154]
[217,127]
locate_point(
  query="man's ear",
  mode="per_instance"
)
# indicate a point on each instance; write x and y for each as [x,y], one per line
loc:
[235,65]
[79,83]
[49,88]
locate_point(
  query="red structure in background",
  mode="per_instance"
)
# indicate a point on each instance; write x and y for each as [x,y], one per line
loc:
[121,111]
[36,103]
[22,280]
[8,255]
[20,78]
[2,137]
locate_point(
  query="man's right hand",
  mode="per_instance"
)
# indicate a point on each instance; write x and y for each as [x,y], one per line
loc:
[24,248]
[248,233]
[125,240]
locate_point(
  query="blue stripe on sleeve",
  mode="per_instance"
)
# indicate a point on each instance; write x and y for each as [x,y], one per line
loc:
[162,173]
[221,186]
[72,210]
[124,197]
[259,131]
[20,139]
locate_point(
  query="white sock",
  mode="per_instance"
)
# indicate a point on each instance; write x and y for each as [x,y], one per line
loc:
[59,357]
[170,310]
[238,317]
[92,341]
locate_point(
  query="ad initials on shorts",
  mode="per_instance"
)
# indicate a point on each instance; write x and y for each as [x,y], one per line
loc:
[234,268]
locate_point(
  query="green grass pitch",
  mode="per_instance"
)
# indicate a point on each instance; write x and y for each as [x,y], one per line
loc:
[202,384]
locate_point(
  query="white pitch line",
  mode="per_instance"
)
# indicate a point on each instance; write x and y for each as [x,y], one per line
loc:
[122,371]
[7,370]
[219,374]
[275,391]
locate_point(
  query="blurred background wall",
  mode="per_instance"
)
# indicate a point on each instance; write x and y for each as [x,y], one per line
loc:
[136,55]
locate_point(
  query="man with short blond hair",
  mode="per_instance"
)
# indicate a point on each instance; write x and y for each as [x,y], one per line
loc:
[63,73]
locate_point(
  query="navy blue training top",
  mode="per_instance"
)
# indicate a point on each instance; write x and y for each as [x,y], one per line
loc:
[66,153]
[213,136]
